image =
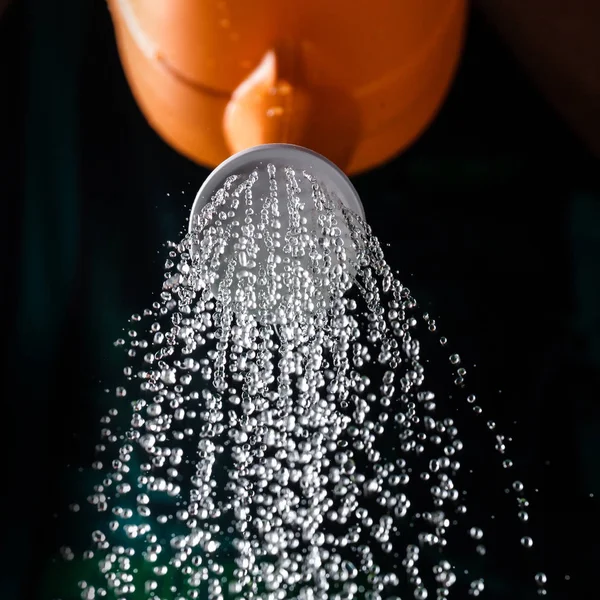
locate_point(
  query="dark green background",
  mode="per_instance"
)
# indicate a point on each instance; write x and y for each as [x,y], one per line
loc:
[493,220]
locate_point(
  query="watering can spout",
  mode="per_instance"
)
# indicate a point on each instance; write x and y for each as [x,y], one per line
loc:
[275,104]
[357,82]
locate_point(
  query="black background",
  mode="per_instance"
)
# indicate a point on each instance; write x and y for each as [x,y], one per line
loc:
[489,219]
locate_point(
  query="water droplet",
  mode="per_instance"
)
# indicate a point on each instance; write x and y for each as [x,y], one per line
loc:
[278,386]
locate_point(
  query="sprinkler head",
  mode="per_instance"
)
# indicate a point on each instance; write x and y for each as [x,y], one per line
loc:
[272,228]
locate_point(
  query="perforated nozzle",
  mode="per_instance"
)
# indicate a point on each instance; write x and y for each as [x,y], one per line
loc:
[275,232]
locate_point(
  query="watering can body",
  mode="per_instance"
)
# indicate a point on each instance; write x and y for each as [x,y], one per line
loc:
[355,81]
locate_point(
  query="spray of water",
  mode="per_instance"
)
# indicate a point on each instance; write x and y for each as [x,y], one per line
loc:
[282,441]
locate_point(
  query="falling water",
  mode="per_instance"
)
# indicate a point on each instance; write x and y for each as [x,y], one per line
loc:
[281,438]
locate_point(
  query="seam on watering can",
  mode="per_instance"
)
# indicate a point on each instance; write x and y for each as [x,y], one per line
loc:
[153,53]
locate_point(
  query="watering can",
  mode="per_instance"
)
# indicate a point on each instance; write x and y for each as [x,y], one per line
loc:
[356,81]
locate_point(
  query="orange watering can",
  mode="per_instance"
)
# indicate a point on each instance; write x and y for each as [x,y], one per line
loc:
[356,81]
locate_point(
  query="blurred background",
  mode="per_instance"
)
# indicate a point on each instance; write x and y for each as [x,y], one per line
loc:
[491,217]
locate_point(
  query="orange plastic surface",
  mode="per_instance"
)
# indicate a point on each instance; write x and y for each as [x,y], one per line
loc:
[354,81]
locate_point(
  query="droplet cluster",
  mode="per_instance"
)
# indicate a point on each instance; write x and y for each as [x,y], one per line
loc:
[278,438]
